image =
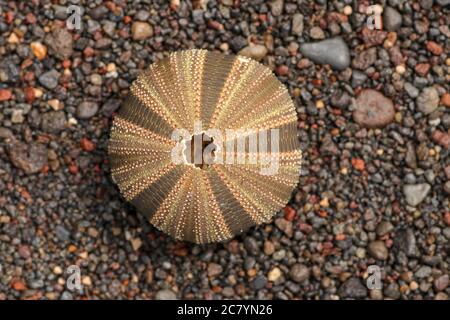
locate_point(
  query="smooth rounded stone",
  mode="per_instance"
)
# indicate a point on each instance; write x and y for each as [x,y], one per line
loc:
[441,283]
[61,233]
[378,250]
[384,227]
[141,30]
[443,2]
[447,187]
[98,12]
[257,51]
[330,51]
[392,19]
[53,121]
[251,246]
[237,43]
[110,106]
[87,109]
[423,272]
[365,59]
[60,43]
[49,79]
[29,157]
[373,109]
[297,24]
[416,193]
[392,291]
[299,273]
[353,288]
[340,99]
[428,100]
[165,294]
[258,283]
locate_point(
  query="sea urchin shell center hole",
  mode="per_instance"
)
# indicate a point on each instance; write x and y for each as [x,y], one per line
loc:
[200,150]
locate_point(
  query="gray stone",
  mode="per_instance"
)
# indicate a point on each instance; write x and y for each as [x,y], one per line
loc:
[412,91]
[353,288]
[340,99]
[49,79]
[423,272]
[392,291]
[405,241]
[61,233]
[258,283]
[110,106]
[165,294]
[416,193]
[392,19]
[428,100]
[330,51]
[251,246]
[53,121]
[87,109]
[358,78]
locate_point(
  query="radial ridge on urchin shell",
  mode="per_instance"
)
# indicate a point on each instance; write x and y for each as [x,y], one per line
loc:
[206,95]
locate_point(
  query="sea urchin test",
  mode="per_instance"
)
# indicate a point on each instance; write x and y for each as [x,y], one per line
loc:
[205,145]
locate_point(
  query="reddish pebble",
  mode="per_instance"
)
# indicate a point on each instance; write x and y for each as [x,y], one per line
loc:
[29,94]
[358,164]
[282,70]
[18,285]
[422,69]
[73,169]
[5,94]
[88,52]
[30,18]
[127,19]
[445,100]
[447,218]
[87,145]
[289,213]
[441,138]
[434,48]
[215,25]
[340,237]
[9,17]
[66,63]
